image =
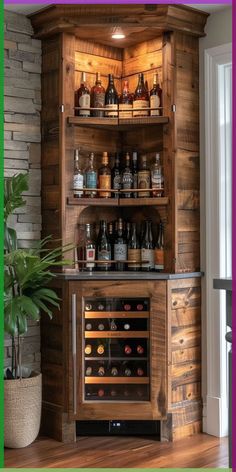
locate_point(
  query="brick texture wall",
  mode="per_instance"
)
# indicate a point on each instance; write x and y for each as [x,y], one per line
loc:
[22,139]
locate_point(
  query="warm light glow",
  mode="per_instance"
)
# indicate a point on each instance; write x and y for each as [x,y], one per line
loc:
[118,33]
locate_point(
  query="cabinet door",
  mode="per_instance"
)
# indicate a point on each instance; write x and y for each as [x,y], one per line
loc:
[117,345]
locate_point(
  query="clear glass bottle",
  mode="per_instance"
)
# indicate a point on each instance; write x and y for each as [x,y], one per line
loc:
[155,97]
[144,181]
[157,178]
[103,248]
[111,99]
[126,102]
[141,98]
[120,247]
[89,248]
[127,177]
[83,97]
[91,178]
[98,97]
[78,180]
[104,176]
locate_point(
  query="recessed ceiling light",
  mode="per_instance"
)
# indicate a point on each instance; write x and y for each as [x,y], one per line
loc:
[118,33]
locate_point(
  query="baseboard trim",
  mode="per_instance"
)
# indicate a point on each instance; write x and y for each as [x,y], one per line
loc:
[215,421]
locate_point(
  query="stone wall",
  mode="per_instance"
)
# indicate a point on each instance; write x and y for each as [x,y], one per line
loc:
[22,139]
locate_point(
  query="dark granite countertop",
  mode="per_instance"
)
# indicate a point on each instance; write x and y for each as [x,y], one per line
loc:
[75,275]
[224,284]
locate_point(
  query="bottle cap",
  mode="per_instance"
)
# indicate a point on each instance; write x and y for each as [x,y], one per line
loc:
[98,77]
[83,77]
[105,158]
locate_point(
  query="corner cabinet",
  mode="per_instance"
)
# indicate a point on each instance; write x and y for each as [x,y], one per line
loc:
[169,389]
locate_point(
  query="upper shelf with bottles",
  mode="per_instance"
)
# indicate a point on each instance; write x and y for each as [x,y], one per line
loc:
[105,108]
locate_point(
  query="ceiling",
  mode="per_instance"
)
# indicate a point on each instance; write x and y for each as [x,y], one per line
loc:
[28,9]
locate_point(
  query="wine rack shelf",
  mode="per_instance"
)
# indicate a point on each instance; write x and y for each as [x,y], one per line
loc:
[116,314]
[115,334]
[117,123]
[118,202]
[116,380]
[88,358]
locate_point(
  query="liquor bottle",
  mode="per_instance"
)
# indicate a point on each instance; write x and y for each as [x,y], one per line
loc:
[100,349]
[159,249]
[125,102]
[88,349]
[78,180]
[101,371]
[126,326]
[135,173]
[141,98]
[116,176]
[128,231]
[157,178]
[111,98]
[101,327]
[83,97]
[98,97]
[127,349]
[120,247]
[91,178]
[89,248]
[140,371]
[155,97]
[144,181]
[101,392]
[111,237]
[88,327]
[134,252]
[147,249]
[128,372]
[114,371]
[140,349]
[104,176]
[113,325]
[88,371]
[103,247]
[127,177]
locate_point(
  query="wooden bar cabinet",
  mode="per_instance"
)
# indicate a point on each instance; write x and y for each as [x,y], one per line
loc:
[164,308]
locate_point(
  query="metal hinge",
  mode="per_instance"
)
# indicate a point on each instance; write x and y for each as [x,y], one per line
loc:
[173,108]
[62,108]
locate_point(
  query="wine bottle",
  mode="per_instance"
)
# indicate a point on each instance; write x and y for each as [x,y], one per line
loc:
[101,307]
[141,98]
[144,181]
[89,248]
[125,102]
[140,349]
[100,349]
[88,306]
[103,247]
[88,371]
[127,349]
[111,98]
[88,349]
[101,327]
[91,178]
[147,248]
[120,247]
[113,325]
[128,231]
[111,237]
[104,176]
[159,249]
[134,252]
[127,307]
[126,326]
[157,178]
[88,327]
[140,371]
[83,97]
[127,177]
[135,173]
[113,392]
[155,97]
[116,176]
[114,371]
[128,372]
[101,392]
[98,97]
[101,371]
[78,181]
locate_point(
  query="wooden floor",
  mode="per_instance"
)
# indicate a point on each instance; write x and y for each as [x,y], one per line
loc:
[200,451]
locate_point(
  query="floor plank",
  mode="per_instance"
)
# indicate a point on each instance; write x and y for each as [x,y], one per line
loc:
[199,451]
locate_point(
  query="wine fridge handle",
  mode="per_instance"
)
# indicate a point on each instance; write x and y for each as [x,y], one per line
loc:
[74,351]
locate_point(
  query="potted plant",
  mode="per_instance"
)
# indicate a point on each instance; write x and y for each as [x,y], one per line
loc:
[27,273]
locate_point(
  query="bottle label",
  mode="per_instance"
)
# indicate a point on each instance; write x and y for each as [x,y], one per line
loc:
[104,255]
[128,113]
[117,182]
[140,104]
[90,256]
[120,252]
[144,182]
[99,100]
[84,102]
[105,183]
[159,259]
[155,102]
[134,255]
[147,255]
[78,184]
[91,180]
[113,110]
[127,180]
[156,179]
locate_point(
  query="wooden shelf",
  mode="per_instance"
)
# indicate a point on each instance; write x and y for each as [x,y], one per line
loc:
[116,334]
[96,358]
[118,202]
[116,380]
[116,314]
[120,124]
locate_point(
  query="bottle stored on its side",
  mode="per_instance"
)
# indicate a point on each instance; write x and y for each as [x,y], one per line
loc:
[127,349]
[101,371]
[157,178]
[101,392]
[113,325]
[111,99]
[101,327]
[88,371]
[98,97]
[116,176]
[114,371]
[88,349]
[135,173]
[134,253]
[88,327]
[127,177]
[103,248]
[104,177]
[91,178]
[141,98]
[140,349]
[120,247]
[126,102]
[140,371]
[144,180]
[89,248]
[155,97]
[100,349]
[147,248]
[83,98]
[127,372]
[159,249]
[78,181]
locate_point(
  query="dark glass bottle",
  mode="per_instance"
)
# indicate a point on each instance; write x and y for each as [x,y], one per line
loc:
[135,173]
[116,176]
[126,102]
[127,177]
[103,247]
[111,99]
[141,98]
[120,247]
[111,237]
[98,96]
[83,98]
[144,180]
[155,97]
[134,253]
[159,249]
[128,231]
[147,248]
[104,177]
[89,248]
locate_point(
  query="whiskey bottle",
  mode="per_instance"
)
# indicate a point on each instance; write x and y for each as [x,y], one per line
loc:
[147,249]
[125,102]
[120,247]
[98,97]
[127,177]
[144,180]
[83,97]
[116,176]
[78,181]
[103,247]
[89,248]
[134,253]
[159,249]
[91,178]
[135,173]
[155,97]
[111,99]
[104,176]
[141,98]
[157,178]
